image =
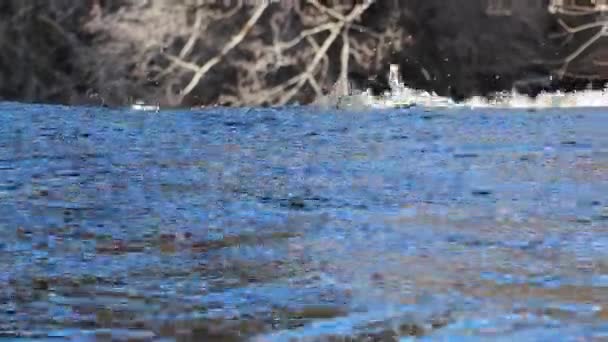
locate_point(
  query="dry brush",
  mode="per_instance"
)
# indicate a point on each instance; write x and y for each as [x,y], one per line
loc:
[241,53]
[256,52]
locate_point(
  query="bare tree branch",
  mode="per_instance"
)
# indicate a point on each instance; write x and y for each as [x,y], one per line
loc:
[303,77]
[601,33]
[202,70]
[343,24]
[187,48]
[327,10]
[570,31]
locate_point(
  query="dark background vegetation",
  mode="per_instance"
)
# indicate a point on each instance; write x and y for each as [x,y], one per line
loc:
[116,52]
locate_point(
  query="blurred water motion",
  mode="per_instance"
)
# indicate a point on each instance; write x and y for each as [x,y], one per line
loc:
[281,224]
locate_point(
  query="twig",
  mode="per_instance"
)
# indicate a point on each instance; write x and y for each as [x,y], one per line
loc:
[322,72]
[601,63]
[344,57]
[187,48]
[306,33]
[601,33]
[326,10]
[584,27]
[573,10]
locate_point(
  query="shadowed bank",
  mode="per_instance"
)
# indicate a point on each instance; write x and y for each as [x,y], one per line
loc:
[192,53]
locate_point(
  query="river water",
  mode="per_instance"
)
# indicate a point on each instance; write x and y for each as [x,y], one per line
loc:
[306,225]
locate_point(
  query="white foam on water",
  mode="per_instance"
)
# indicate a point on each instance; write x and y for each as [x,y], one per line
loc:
[579,99]
[406,97]
[586,98]
[400,96]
